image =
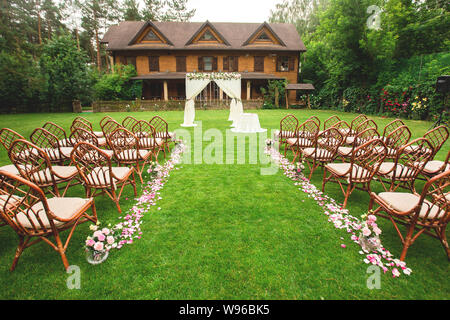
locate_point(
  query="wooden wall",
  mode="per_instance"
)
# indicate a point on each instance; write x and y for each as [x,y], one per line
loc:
[167,62]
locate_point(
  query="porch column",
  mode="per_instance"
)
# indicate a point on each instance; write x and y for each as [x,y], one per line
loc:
[249,90]
[166,91]
[220,94]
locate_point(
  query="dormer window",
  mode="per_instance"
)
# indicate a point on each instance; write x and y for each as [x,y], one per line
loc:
[263,37]
[151,36]
[207,36]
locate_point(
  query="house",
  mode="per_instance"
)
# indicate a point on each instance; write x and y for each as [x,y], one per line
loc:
[163,52]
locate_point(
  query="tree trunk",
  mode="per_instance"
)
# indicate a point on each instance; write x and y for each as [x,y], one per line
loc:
[39,21]
[78,38]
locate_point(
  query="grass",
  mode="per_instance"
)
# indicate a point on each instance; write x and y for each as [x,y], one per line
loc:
[224,232]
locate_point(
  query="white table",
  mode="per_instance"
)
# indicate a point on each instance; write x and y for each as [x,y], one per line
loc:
[247,123]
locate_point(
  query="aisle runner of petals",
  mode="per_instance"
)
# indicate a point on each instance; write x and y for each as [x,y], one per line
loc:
[340,217]
[125,232]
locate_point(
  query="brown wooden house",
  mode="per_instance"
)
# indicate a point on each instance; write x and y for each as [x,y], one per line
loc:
[163,52]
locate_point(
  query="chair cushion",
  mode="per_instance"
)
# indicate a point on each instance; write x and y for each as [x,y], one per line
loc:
[349,140]
[99,178]
[64,208]
[5,199]
[344,151]
[434,166]
[67,142]
[301,142]
[10,168]
[404,202]
[150,142]
[101,142]
[342,170]
[400,172]
[98,134]
[130,155]
[322,154]
[64,172]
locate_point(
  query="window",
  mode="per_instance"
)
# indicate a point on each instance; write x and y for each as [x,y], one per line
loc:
[181,64]
[259,64]
[129,60]
[207,36]
[231,63]
[263,37]
[151,36]
[153,63]
[207,64]
[285,63]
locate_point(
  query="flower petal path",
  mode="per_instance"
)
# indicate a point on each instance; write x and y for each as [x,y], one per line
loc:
[341,218]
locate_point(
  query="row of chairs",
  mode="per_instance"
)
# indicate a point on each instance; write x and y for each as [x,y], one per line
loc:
[354,155]
[103,162]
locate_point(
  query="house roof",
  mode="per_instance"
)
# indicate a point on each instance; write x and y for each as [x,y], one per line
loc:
[179,34]
[300,86]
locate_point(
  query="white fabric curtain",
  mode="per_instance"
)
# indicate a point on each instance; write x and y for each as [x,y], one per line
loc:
[193,89]
[233,89]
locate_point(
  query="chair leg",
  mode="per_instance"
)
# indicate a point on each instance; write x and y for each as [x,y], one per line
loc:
[61,251]
[407,243]
[324,179]
[116,200]
[19,251]
[347,194]
[443,238]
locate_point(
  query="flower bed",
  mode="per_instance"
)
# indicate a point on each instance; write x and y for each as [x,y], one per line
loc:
[341,218]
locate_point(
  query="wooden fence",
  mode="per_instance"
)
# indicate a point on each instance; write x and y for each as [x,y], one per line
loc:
[172,105]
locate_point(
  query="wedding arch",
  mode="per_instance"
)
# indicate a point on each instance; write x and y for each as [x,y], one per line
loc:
[229,82]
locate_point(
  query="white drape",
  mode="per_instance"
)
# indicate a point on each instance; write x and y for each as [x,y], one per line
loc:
[193,89]
[232,88]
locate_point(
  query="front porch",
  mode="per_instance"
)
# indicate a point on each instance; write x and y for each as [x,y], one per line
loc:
[170,86]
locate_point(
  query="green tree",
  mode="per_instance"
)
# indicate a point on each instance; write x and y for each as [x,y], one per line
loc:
[66,73]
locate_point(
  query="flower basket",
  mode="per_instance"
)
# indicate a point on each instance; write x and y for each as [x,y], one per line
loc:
[369,243]
[96,257]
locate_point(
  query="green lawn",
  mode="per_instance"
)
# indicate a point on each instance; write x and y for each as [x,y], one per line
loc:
[224,232]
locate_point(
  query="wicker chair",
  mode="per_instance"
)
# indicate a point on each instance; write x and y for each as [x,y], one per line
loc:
[435,167]
[315,119]
[80,135]
[363,126]
[330,122]
[306,137]
[34,165]
[127,150]
[59,133]
[356,123]
[324,150]
[7,137]
[99,176]
[162,132]
[396,140]
[437,137]
[147,138]
[86,124]
[364,163]
[391,126]
[406,167]
[288,129]
[345,152]
[34,217]
[129,122]
[104,120]
[420,213]
[50,144]
[109,126]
